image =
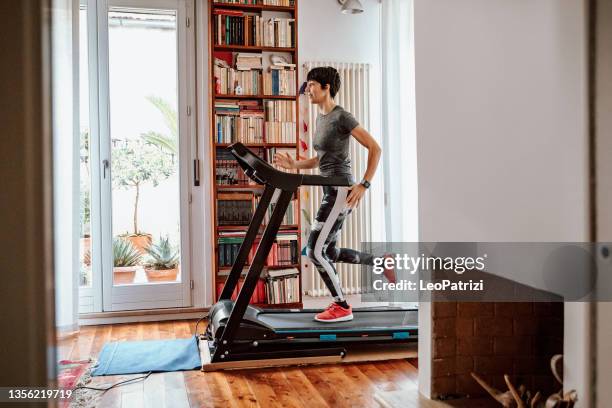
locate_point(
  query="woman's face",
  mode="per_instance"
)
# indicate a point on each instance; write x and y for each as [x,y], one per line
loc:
[316,94]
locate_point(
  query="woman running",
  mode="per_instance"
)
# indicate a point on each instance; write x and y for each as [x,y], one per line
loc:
[334,127]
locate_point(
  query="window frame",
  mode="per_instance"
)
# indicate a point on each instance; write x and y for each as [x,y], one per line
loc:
[99,117]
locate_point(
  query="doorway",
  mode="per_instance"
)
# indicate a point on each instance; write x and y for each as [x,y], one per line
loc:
[134,151]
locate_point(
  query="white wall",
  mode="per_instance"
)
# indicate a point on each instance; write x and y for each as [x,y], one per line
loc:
[501,129]
[501,120]
[327,35]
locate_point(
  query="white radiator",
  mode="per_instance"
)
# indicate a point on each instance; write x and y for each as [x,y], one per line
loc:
[354,97]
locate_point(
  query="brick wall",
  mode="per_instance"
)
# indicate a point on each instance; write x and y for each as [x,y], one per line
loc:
[493,339]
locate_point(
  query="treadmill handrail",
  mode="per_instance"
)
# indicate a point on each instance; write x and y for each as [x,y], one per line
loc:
[318,180]
[262,172]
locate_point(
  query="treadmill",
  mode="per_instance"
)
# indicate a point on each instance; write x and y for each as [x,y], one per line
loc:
[238,331]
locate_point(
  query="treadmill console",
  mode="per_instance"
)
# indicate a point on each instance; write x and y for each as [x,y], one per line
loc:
[262,172]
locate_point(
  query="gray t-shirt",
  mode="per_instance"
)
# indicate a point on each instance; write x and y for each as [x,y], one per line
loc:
[331,141]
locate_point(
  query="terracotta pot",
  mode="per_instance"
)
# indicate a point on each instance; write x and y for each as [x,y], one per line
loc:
[123,275]
[140,242]
[86,245]
[162,275]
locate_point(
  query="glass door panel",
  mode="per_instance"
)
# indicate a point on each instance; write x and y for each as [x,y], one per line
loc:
[144,142]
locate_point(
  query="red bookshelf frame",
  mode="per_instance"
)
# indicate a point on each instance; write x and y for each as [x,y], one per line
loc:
[213,97]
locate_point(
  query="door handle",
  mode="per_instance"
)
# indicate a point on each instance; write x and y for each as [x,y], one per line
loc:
[605,251]
[105,166]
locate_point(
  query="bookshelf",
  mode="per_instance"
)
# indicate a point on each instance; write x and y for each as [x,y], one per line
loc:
[258,117]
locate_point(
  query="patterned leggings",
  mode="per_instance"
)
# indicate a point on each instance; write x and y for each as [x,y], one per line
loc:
[322,249]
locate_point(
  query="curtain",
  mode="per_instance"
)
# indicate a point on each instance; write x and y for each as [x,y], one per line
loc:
[398,121]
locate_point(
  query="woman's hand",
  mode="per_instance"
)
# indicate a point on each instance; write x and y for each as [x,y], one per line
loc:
[356,194]
[284,160]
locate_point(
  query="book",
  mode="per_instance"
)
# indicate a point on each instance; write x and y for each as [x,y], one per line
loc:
[228,12]
[259,294]
[246,61]
[234,209]
[279,80]
[275,273]
[283,289]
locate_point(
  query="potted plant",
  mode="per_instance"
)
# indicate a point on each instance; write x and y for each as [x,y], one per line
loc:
[163,262]
[125,260]
[87,258]
[137,162]
[85,212]
[84,276]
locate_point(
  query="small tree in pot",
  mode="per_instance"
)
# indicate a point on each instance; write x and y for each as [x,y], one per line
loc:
[135,163]
[125,260]
[163,262]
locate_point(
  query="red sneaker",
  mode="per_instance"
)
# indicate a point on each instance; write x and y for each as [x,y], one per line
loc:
[389,273]
[335,313]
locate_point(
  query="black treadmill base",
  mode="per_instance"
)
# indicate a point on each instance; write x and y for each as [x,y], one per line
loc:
[313,354]
[304,347]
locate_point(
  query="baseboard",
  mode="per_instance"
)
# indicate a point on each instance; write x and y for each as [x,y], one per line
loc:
[134,316]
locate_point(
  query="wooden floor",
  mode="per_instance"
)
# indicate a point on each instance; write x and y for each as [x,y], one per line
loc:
[348,385]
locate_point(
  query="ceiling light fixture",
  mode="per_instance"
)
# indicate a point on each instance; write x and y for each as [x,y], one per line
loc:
[351,6]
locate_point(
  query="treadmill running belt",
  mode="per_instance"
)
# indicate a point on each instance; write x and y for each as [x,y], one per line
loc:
[362,321]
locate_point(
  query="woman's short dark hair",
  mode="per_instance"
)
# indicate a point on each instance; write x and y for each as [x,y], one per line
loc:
[326,76]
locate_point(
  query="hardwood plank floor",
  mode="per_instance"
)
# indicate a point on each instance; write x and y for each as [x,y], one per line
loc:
[346,385]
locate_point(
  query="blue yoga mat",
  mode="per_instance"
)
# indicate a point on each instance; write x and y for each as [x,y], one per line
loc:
[133,357]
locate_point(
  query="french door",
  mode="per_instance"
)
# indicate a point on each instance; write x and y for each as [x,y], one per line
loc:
[138,137]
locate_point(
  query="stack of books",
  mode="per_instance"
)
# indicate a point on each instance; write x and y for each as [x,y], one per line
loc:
[234,209]
[251,123]
[284,250]
[231,27]
[230,81]
[279,81]
[286,3]
[283,286]
[227,170]
[248,2]
[278,32]
[239,121]
[248,61]
[259,295]
[229,245]
[280,121]
[228,249]
[235,27]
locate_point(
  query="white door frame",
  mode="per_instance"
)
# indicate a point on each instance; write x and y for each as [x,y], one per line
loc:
[95,291]
[152,296]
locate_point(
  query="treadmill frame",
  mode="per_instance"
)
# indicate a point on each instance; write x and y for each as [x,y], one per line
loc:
[220,349]
[252,276]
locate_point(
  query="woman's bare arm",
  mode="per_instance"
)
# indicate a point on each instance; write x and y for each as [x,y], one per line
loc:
[288,162]
[311,163]
[374,152]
